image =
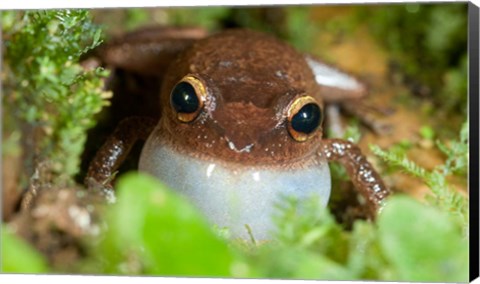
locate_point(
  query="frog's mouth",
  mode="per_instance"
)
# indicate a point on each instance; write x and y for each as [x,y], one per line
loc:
[234,196]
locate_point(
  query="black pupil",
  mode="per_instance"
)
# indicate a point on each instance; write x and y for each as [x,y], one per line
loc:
[184,99]
[307,119]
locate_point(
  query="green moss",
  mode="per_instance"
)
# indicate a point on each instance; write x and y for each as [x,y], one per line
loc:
[443,195]
[46,89]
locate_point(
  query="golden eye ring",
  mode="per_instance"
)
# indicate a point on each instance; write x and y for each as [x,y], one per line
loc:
[304,116]
[187,98]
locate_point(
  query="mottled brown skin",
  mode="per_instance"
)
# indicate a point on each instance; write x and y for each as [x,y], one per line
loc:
[124,51]
[364,177]
[111,155]
[251,80]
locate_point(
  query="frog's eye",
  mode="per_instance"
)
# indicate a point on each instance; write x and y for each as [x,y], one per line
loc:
[304,117]
[187,98]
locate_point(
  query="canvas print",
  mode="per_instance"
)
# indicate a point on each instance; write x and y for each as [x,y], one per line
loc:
[324,142]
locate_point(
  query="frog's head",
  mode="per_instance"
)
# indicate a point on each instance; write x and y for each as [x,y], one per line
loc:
[245,97]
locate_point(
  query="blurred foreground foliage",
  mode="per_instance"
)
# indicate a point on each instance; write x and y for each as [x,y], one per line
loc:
[52,98]
[153,231]
[18,256]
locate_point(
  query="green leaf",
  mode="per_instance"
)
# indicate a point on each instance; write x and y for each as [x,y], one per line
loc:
[422,243]
[365,255]
[298,263]
[166,232]
[18,256]
[317,266]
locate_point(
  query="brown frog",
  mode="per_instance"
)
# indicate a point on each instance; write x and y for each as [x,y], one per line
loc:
[240,125]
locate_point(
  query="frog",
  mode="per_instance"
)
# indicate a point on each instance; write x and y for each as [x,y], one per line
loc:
[240,128]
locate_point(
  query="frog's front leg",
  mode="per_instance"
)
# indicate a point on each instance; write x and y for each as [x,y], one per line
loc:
[114,151]
[364,177]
